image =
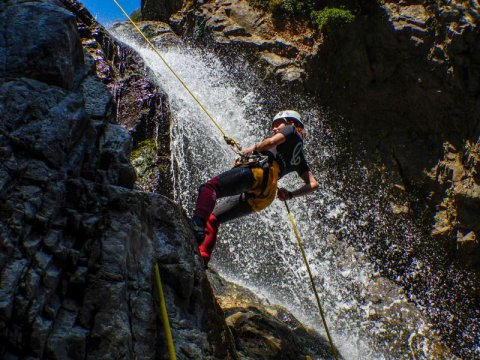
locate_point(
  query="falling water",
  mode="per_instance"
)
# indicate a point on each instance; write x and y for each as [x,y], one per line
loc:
[369,317]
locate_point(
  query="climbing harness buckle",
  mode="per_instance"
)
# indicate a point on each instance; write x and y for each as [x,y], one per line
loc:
[252,160]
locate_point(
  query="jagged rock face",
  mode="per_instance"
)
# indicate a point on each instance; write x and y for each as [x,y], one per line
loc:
[140,106]
[457,213]
[276,46]
[264,331]
[159,9]
[400,75]
[51,57]
[77,242]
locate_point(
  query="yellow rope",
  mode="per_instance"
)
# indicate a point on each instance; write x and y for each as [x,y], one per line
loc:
[300,245]
[163,311]
[230,140]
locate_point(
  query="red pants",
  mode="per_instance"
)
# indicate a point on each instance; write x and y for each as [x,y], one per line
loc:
[231,184]
[211,231]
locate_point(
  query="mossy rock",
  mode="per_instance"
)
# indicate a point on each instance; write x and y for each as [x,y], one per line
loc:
[144,156]
[146,161]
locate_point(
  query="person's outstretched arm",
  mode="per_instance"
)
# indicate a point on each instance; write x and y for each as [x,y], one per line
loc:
[266,144]
[311,185]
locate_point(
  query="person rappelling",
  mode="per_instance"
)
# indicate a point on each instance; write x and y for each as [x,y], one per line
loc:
[251,185]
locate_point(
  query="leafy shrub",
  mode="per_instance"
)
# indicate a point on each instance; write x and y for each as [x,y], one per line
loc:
[292,7]
[325,17]
[298,7]
[332,17]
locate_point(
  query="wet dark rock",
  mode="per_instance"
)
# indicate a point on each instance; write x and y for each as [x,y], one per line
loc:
[144,110]
[457,213]
[262,330]
[384,300]
[137,103]
[115,147]
[158,33]
[52,53]
[468,207]
[98,100]
[468,243]
[159,10]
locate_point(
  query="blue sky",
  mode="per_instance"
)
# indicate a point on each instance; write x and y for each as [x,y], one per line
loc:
[106,11]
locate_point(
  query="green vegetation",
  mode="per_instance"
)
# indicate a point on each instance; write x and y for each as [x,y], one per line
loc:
[292,7]
[329,16]
[144,156]
[335,17]
[136,15]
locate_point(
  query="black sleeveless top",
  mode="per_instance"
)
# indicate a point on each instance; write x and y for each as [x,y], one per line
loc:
[289,154]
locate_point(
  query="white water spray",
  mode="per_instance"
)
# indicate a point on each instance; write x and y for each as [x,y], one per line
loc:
[260,251]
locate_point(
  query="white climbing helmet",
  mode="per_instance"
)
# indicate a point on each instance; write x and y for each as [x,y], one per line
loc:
[289,114]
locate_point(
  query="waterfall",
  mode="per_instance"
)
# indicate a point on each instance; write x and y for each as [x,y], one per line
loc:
[260,251]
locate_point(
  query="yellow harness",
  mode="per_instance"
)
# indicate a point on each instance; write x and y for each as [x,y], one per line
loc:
[257,198]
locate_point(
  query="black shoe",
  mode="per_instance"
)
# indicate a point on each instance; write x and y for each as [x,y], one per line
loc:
[198,229]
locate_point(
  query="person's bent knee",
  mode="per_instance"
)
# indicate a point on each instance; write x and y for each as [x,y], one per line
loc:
[211,184]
